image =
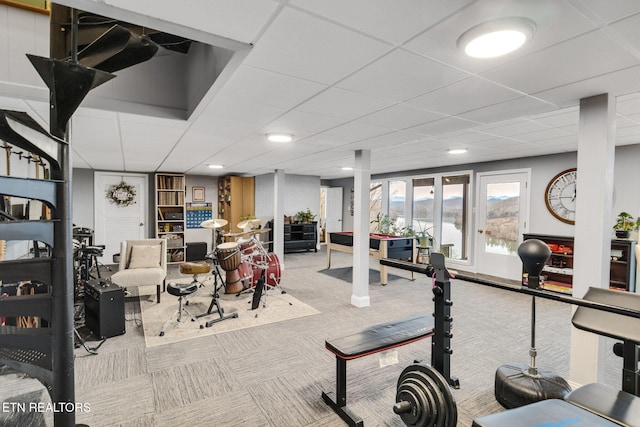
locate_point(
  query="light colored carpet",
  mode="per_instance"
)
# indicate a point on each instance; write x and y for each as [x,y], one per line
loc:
[275,307]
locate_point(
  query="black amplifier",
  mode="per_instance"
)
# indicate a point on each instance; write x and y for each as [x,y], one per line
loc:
[104,308]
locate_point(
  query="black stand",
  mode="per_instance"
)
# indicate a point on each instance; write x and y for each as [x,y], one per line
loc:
[516,384]
[218,282]
[441,341]
[257,293]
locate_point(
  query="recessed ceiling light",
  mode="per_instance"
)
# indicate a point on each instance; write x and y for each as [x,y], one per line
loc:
[216,166]
[347,168]
[457,151]
[497,37]
[280,137]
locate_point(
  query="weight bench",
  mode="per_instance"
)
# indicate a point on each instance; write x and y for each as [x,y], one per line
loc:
[373,339]
[593,405]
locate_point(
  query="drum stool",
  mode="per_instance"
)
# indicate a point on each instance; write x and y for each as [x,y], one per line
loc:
[181,290]
[195,268]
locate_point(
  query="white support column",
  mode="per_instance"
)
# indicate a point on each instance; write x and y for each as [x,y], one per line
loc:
[362,182]
[592,246]
[278,215]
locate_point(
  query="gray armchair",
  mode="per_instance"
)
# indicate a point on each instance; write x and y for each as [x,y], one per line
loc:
[142,263]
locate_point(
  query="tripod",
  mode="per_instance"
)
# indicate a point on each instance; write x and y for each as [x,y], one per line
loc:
[218,282]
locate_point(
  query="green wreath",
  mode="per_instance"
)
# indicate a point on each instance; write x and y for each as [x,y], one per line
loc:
[122,194]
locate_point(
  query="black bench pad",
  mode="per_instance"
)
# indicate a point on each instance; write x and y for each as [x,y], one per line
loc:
[615,405]
[382,336]
[552,412]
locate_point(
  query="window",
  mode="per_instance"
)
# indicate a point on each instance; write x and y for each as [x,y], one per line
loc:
[375,204]
[423,205]
[455,199]
[397,200]
[438,205]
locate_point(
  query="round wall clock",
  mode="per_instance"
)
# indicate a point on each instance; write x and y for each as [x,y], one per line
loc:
[560,196]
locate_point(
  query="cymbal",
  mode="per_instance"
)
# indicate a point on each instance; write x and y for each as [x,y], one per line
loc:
[214,223]
[261,231]
[249,223]
[244,233]
[242,224]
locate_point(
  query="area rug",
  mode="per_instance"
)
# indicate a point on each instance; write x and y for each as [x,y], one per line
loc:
[276,307]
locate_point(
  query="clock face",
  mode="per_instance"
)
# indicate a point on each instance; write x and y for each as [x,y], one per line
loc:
[560,196]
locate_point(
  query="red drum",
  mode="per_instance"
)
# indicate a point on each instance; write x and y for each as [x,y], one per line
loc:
[271,263]
[246,275]
[247,247]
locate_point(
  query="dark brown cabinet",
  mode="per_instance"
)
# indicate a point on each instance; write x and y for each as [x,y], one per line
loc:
[298,237]
[559,268]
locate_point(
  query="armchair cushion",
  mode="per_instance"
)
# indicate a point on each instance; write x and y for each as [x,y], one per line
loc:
[145,256]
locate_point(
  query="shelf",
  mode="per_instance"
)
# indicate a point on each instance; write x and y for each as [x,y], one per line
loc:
[559,268]
[171,213]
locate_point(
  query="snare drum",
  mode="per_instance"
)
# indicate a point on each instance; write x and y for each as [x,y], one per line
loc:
[271,264]
[247,247]
[229,255]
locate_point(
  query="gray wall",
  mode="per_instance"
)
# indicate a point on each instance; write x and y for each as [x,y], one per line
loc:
[300,192]
[543,168]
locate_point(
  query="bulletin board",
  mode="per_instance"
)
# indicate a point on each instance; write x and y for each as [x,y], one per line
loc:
[198,212]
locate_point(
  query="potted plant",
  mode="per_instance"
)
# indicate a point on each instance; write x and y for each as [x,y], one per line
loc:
[625,224]
[305,217]
[424,237]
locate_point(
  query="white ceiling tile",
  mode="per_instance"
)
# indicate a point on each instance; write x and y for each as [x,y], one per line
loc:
[628,105]
[342,104]
[555,21]
[301,124]
[401,75]
[559,65]
[305,46]
[354,131]
[514,127]
[385,141]
[241,110]
[269,88]
[543,135]
[464,95]
[401,116]
[448,124]
[559,118]
[617,83]
[393,21]
[519,107]
[611,11]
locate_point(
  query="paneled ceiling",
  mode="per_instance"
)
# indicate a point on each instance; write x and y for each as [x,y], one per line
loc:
[377,75]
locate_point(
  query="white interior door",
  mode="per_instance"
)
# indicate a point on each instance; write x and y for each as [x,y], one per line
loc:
[502,219]
[334,209]
[114,223]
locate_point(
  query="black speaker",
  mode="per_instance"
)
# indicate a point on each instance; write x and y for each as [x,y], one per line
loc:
[104,308]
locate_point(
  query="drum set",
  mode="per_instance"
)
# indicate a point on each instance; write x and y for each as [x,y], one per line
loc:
[249,267]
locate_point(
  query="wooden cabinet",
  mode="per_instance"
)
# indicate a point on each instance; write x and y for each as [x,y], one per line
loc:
[559,268]
[235,199]
[170,214]
[297,237]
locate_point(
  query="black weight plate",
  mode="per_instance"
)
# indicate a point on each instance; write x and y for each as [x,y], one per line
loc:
[433,403]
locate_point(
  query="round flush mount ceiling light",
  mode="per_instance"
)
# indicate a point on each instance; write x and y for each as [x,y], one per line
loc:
[496,38]
[216,166]
[347,168]
[457,151]
[279,137]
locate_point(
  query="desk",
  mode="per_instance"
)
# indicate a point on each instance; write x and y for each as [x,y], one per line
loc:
[380,246]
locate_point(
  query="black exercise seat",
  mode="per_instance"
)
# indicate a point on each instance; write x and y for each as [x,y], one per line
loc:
[374,339]
[615,405]
[552,412]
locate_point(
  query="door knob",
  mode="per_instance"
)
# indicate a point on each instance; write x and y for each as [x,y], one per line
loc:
[480,231]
